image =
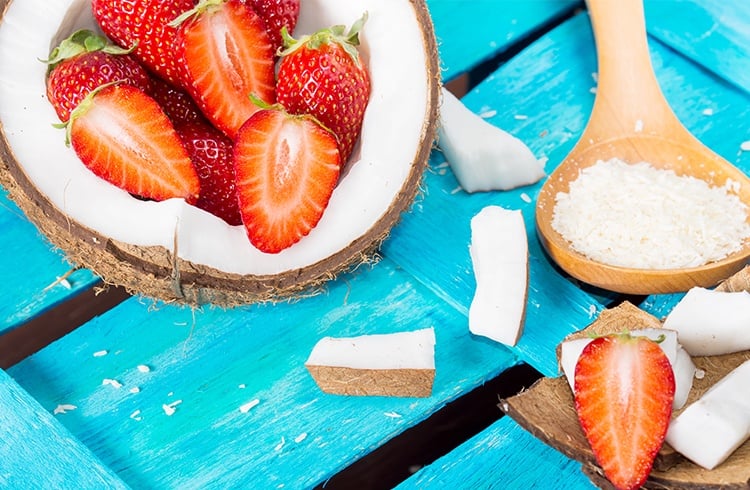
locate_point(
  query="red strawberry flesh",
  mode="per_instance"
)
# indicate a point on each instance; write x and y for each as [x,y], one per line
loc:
[624,387]
[124,137]
[287,168]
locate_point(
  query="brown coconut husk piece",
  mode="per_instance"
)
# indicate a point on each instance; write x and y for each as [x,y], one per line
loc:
[157,273]
[373,382]
[547,411]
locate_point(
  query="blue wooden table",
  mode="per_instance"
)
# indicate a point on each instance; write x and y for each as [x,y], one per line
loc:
[149,395]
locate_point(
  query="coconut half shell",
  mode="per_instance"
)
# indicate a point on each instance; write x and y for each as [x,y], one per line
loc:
[175,252]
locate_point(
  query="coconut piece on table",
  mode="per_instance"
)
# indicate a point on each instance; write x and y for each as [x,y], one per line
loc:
[483,157]
[397,364]
[500,257]
[710,322]
[712,428]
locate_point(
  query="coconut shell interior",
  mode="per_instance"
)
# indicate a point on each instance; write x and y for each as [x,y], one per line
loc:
[159,273]
[547,411]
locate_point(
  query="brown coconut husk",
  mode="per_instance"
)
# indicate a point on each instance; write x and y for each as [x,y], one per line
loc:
[373,382]
[157,273]
[547,411]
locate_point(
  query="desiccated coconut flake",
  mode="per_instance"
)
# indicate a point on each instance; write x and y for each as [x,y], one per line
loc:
[638,126]
[144,368]
[520,117]
[300,437]
[525,197]
[392,415]
[135,389]
[635,215]
[101,353]
[249,405]
[745,146]
[280,445]
[63,408]
[708,112]
[136,415]
[171,408]
[112,382]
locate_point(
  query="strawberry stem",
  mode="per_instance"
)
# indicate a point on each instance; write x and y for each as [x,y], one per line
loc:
[334,34]
[82,41]
[203,6]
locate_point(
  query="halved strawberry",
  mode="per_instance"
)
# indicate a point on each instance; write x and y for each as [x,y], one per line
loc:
[124,137]
[287,167]
[323,75]
[624,387]
[226,57]
[277,14]
[84,61]
[144,26]
[211,153]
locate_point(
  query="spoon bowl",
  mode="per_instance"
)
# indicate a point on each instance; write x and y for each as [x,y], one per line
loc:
[632,121]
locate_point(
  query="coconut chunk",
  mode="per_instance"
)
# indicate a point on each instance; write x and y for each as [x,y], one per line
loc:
[500,256]
[682,363]
[710,322]
[708,431]
[483,157]
[398,364]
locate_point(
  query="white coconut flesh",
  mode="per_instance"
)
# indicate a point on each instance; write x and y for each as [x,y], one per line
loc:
[395,128]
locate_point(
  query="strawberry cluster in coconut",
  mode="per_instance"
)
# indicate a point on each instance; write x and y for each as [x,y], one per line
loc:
[219,93]
[214,67]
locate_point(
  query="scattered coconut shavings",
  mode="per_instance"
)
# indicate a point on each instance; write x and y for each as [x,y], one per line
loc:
[171,408]
[300,437]
[144,368]
[708,112]
[249,405]
[745,146]
[101,353]
[136,415]
[635,215]
[63,408]
[242,386]
[280,445]
[700,374]
[520,117]
[525,197]
[393,415]
[112,382]
[488,114]
[592,90]
[135,390]
[638,126]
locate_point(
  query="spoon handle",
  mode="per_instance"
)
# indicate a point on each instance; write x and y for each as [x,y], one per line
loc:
[627,91]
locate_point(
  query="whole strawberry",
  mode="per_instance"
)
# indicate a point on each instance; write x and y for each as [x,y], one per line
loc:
[123,136]
[323,75]
[144,26]
[85,61]
[624,388]
[287,168]
[211,153]
[226,57]
[177,104]
[277,14]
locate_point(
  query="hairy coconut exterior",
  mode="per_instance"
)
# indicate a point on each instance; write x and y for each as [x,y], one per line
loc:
[547,410]
[373,382]
[157,273]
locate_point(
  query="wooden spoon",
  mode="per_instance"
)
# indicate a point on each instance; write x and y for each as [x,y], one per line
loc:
[631,120]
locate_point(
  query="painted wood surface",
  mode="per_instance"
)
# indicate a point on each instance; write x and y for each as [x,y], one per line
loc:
[208,364]
[31,270]
[502,456]
[243,408]
[38,452]
[472,31]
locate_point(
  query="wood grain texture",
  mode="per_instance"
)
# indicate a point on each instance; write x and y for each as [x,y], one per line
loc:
[207,364]
[38,452]
[503,456]
[30,269]
[470,32]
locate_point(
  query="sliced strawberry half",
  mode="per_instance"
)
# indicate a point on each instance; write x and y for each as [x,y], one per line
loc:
[123,136]
[226,57]
[287,168]
[624,387]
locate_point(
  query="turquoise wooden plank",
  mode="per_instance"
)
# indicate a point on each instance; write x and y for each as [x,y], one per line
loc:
[472,31]
[37,452]
[30,268]
[502,456]
[206,364]
[542,97]
[713,33]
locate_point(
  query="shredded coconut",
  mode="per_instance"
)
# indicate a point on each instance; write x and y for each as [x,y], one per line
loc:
[634,215]
[143,368]
[249,406]
[112,382]
[101,353]
[64,408]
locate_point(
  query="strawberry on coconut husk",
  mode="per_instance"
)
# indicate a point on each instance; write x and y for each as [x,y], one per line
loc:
[323,75]
[287,167]
[624,388]
[144,26]
[124,137]
[225,56]
[85,61]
